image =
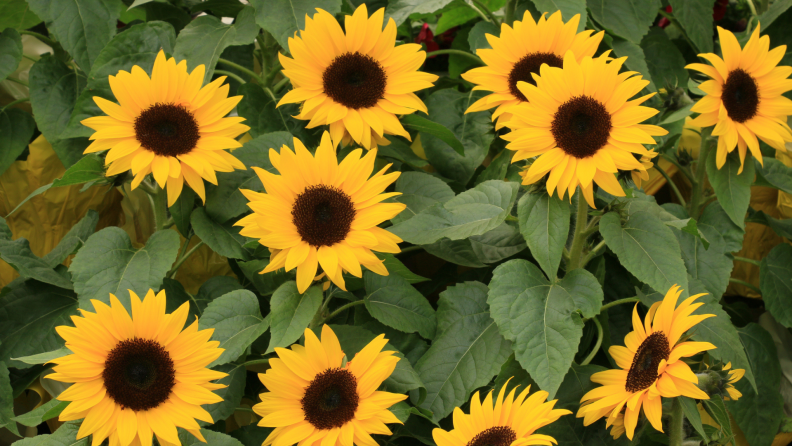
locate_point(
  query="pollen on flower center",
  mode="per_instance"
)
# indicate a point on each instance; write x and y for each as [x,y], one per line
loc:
[494,436]
[740,96]
[139,374]
[331,399]
[323,215]
[581,126]
[167,129]
[643,371]
[355,80]
[530,63]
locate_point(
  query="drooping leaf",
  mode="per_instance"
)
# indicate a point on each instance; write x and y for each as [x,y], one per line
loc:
[717,410]
[627,18]
[10,52]
[16,128]
[237,322]
[780,227]
[6,401]
[396,303]
[291,312]
[181,211]
[693,416]
[696,19]
[17,253]
[733,190]
[775,280]
[544,222]
[88,168]
[42,413]
[773,174]
[43,358]
[224,239]
[282,18]
[395,266]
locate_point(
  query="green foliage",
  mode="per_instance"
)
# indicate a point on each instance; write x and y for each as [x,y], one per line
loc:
[544,222]
[396,303]
[16,127]
[733,189]
[237,322]
[775,284]
[10,52]
[290,313]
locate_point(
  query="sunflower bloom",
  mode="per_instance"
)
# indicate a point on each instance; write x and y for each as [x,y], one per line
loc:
[639,176]
[651,366]
[519,52]
[510,421]
[355,82]
[580,123]
[319,212]
[137,376]
[744,97]
[168,126]
[314,398]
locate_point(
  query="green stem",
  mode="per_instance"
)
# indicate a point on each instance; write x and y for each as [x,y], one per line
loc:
[508,12]
[231,75]
[256,362]
[341,309]
[160,203]
[41,37]
[489,15]
[672,185]
[752,7]
[18,101]
[626,300]
[17,81]
[238,67]
[318,317]
[597,345]
[579,239]
[676,433]
[281,83]
[745,284]
[458,53]
[183,258]
[411,249]
[746,260]
[32,59]
[593,253]
[701,173]
[680,167]
[275,71]
[181,252]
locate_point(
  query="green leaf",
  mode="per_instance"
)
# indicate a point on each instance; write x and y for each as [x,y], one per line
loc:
[666,64]
[176,296]
[88,168]
[497,168]
[17,14]
[709,265]
[688,225]
[477,39]
[717,410]
[636,60]
[66,435]
[108,263]
[479,250]
[781,227]
[220,8]
[541,318]
[759,413]
[466,355]
[29,311]
[213,288]
[775,281]
[419,191]
[231,395]
[773,12]
[181,211]
[447,108]
[291,312]
[693,416]
[6,401]
[630,19]
[45,412]
[425,126]
[647,248]
[544,222]
[43,358]
[568,8]
[237,322]
[732,234]
[459,252]
[395,266]
[473,212]
[399,10]
[224,239]
[398,149]
[73,239]
[282,18]
[773,174]
[17,253]
[17,128]
[251,435]
[733,190]
[212,437]
[10,52]
[395,303]
[265,284]
[463,14]
[258,109]
[696,19]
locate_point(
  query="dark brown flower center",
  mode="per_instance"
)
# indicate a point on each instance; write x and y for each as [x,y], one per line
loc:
[740,96]
[323,215]
[331,399]
[643,372]
[139,374]
[581,126]
[167,129]
[530,63]
[355,80]
[494,436]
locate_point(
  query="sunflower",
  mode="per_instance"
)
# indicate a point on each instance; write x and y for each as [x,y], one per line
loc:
[744,97]
[651,366]
[319,212]
[137,376]
[579,122]
[510,421]
[314,398]
[734,376]
[519,52]
[355,82]
[169,126]
[639,176]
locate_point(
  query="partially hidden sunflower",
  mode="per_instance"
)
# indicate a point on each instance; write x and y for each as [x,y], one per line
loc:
[137,376]
[519,52]
[651,366]
[314,398]
[734,376]
[639,176]
[582,126]
[357,81]
[511,420]
[744,97]
[169,126]
[319,212]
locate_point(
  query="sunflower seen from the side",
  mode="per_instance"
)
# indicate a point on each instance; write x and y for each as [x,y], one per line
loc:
[137,376]
[314,398]
[518,53]
[319,212]
[169,126]
[355,80]
[744,98]
[509,420]
[651,367]
[582,126]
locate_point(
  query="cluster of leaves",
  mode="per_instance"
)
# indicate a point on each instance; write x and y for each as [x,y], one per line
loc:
[485,290]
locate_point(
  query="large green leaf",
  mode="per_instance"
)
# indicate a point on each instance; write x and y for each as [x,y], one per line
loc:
[568,8]
[42,413]
[291,312]
[10,52]
[627,18]
[29,312]
[773,174]
[395,303]
[181,211]
[395,266]
[17,253]
[695,16]
[427,127]
[732,234]
[108,263]
[66,435]
[17,14]
[265,284]
[419,191]
[73,239]
[213,288]
[733,190]
[282,18]
[237,322]
[6,401]
[776,285]
[709,265]
[466,355]
[780,227]
[479,250]
[470,213]
[636,59]
[258,108]
[463,14]
[399,10]
[543,318]
[544,222]
[16,128]
[666,64]
[89,168]
[231,395]
[224,239]
[212,437]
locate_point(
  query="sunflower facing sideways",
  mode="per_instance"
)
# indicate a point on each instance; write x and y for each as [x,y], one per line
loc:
[137,376]
[315,399]
[651,367]
[519,52]
[319,212]
[744,97]
[355,82]
[510,421]
[582,126]
[168,126]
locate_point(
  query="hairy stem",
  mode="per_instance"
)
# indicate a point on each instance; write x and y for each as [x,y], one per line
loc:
[626,300]
[238,67]
[701,173]
[511,7]
[231,75]
[341,309]
[579,239]
[675,431]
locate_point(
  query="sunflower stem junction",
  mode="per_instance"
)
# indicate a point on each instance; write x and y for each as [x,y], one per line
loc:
[340,309]
[626,300]
[579,239]
[470,56]
[487,14]
[281,83]
[597,345]
[181,260]
[233,76]
[238,67]
[701,173]
[676,432]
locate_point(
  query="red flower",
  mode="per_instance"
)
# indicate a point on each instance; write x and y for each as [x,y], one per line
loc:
[718,12]
[427,36]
